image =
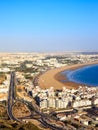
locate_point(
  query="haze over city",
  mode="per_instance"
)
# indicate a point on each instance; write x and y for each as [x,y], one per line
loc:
[48,25]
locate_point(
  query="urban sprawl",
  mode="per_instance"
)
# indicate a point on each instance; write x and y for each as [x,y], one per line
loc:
[62,109]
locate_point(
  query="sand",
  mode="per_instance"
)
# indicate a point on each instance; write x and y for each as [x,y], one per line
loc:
[52,78]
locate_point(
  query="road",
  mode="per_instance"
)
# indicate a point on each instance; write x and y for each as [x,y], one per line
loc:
[11,97]
[44,118]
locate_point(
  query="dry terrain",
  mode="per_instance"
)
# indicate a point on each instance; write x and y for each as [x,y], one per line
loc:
[20,110]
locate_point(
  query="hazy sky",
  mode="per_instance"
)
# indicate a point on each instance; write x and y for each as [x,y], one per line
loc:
[48,25]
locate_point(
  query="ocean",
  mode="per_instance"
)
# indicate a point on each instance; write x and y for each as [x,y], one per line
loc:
[87,75]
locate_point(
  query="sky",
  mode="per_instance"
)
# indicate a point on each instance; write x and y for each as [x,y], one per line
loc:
[48,25]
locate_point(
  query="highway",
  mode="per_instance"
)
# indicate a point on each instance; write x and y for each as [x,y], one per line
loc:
[44,118]
[11,97]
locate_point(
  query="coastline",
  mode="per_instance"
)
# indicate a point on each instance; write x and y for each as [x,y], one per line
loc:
[52,78]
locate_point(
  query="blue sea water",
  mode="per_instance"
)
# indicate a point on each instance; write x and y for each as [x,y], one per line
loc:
[87,75]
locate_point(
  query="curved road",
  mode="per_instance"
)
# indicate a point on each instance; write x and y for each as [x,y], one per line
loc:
[11,100]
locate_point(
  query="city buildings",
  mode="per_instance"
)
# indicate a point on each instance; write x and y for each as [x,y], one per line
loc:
[76,105]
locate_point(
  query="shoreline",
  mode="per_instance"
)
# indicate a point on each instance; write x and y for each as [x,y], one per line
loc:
[52,78]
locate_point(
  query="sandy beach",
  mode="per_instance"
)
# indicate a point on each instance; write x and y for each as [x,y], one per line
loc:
[52,78]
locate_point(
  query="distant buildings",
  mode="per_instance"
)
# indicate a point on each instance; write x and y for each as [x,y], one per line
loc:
[34,64]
